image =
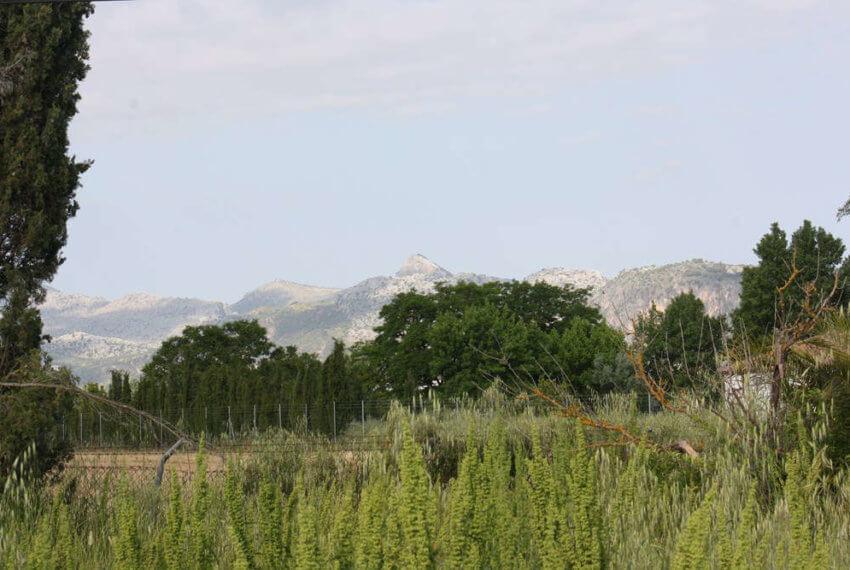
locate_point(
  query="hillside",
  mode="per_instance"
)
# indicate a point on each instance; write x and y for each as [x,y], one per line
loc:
[93,335]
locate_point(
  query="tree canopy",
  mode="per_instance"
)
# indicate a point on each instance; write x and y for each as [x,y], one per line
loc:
[461,337]
[812,251]
[44,49]
[680,343]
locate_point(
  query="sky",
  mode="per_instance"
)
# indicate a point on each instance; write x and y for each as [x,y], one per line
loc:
[324,141]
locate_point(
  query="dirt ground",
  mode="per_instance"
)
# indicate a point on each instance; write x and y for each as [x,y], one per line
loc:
[96,465]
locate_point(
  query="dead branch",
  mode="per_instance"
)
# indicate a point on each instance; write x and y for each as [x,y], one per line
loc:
[160,469]
[682,446]
[101,400]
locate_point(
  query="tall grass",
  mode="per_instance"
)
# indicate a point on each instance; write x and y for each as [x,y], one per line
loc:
[488,484]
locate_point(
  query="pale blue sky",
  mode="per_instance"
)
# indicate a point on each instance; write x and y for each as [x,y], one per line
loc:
[323,142]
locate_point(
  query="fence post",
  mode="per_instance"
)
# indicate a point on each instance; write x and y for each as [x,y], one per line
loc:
[140,430]
[306,418]
[206,420]
[160,425]
[229,422]
[255,417]
[100,426]
[363,416]
[81,427]
[279,417]
[334,407]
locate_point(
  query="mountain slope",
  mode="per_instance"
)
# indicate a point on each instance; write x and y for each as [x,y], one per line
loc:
[632,291]
[93,335]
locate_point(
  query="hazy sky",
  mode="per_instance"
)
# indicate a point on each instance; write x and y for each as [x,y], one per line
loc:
[324,141]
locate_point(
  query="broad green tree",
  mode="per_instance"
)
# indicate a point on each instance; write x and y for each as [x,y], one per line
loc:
[484,343]
[461,337]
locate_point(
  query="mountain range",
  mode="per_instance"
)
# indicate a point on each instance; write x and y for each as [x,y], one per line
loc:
[93,335]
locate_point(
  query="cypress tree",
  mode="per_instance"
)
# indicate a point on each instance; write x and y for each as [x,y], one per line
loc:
[44,49]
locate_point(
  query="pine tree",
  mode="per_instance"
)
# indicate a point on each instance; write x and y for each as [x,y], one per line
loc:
[815,252]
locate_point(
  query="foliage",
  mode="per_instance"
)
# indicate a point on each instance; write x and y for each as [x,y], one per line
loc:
[530,491]
[813,251]
[33,417]
[680,343]
[462,337]
[39,181]
[201,375]
[119,387]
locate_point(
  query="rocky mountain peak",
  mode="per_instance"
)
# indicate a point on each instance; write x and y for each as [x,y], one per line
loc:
[93,335]
[418,264]
[560,276]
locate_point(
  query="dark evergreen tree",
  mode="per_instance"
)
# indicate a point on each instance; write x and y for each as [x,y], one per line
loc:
[43,49]
[680,343]
[813,251]
[119,387]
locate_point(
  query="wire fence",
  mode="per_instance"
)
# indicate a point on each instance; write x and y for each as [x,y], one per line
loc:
[102,427]
[92,426]
[110,444]
[99,426]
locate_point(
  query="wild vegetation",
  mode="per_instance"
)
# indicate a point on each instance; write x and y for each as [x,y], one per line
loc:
[530,445]
[488,484]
